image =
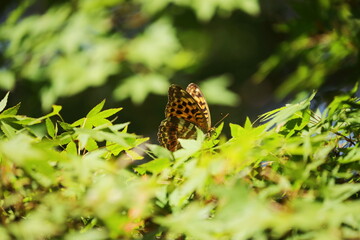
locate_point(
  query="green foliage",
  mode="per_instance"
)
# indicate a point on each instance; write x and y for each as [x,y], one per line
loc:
[323,40]
[203,9]
[52,172]
[143,44]
[295,176]
[76,46]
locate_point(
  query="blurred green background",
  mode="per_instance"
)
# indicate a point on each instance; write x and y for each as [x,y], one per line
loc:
[247,56]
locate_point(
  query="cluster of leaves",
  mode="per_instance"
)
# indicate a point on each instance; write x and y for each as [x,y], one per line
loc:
[295,176]
[56,176]
[76,46]
[323,42]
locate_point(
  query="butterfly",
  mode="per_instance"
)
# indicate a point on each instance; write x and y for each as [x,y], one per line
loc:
[184,111]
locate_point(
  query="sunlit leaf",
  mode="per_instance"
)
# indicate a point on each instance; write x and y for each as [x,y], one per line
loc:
[3,102]
[50,127]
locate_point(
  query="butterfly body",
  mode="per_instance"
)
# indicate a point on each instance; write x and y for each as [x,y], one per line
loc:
[185,110]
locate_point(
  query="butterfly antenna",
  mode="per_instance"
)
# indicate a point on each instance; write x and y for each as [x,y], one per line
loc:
[222,119]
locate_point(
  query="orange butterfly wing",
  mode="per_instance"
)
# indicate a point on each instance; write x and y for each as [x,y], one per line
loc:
[184,111]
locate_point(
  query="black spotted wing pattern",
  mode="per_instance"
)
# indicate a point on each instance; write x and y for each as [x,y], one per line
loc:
[184,111]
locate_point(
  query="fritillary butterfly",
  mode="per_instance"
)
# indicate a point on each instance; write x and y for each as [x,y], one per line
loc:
[184,111]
